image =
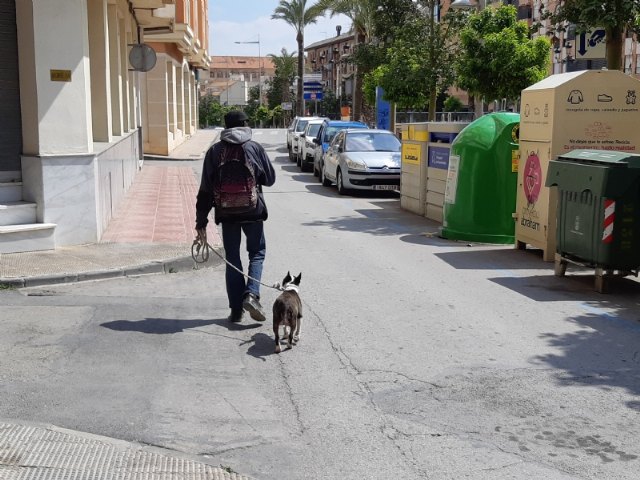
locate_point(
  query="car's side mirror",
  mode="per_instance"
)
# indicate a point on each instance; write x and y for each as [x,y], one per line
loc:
[302,135]
[316,141]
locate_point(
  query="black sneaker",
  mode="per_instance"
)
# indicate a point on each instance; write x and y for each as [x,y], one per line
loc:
[236,315]
[252,305]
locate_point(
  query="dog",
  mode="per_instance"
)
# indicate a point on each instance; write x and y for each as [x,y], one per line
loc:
[287,312]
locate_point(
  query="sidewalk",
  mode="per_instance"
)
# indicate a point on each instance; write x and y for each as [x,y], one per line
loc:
[45,452]
[151,232]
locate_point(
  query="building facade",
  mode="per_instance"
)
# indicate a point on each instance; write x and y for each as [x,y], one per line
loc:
[76,117]
[330,58]
[231,77]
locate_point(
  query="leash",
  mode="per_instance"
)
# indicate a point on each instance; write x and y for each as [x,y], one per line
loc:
[201,250]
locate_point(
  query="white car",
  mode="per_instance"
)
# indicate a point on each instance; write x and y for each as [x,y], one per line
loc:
[307,145]
[297,127]
[363,159]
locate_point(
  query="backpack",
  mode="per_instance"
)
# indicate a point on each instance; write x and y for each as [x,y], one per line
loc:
[236,189]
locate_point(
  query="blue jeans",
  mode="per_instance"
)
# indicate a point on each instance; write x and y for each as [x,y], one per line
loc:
[238,285]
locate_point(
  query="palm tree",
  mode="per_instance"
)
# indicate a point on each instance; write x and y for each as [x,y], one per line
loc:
[285,67]
[296,14]
[361,13]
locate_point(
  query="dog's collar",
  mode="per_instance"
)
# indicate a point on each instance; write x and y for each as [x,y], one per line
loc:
[291,287]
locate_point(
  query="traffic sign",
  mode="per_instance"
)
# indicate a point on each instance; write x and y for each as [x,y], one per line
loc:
[313,96]
[312,86]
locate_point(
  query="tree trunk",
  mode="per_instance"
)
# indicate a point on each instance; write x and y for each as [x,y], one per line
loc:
[433,98]
[300,95]
[615,40]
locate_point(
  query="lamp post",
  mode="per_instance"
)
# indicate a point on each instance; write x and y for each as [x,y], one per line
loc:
[259,67]
[467,5]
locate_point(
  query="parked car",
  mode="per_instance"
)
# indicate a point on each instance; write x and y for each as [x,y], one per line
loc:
[329,130]
[363,160]
[307,145]
[293,133]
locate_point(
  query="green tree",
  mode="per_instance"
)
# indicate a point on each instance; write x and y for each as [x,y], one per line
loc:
[277,116]
[251,109]
[361,13]
[453,104]
[615,16]
[296,14]
[211,112]
[262,114]
[285,71]
[498,59]
[417,52]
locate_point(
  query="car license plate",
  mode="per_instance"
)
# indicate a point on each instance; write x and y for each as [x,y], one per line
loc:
[385,187]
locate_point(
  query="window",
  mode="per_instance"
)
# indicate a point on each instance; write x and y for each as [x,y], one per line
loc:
[372,142]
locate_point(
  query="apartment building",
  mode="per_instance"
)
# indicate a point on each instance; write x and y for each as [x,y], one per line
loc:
[330,58]
[76,117]
[231,77]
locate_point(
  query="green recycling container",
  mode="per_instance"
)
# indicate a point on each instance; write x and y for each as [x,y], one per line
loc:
[480,196]
[598,207]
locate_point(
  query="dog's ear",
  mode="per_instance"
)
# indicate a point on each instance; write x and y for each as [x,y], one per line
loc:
[296,281]
[287,279]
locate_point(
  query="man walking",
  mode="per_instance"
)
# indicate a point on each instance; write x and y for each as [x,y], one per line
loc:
[234,171]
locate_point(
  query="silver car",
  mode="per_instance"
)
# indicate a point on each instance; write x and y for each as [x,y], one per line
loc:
[363,159]
[293,135]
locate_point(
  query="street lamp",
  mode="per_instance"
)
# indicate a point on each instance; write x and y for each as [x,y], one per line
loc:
[468,5]
[259,67]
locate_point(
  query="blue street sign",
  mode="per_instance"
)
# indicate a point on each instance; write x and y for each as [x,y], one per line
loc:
[312,96]
[312,87]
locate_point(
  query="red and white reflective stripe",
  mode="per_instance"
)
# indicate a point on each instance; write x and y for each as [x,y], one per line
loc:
[609,217]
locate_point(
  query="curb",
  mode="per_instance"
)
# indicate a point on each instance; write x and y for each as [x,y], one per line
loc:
[173,159]
[174,265]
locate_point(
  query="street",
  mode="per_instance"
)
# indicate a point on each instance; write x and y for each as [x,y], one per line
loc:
[419,358]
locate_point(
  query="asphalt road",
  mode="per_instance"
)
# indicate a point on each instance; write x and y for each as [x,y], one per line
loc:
[419,357]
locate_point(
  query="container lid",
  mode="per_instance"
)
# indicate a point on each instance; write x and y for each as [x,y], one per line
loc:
[603,156]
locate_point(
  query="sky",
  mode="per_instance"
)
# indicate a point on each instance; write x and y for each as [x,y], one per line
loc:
[249,20]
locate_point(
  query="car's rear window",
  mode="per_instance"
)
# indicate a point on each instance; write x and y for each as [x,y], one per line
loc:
[372,142]
[331,131]
[313,130]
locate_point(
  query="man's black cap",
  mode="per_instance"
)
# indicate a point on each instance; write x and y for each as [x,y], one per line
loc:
[235,118]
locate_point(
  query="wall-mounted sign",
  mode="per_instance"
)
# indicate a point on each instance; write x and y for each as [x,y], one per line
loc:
[60,75]
[411,153]
[142,57]
[591,44]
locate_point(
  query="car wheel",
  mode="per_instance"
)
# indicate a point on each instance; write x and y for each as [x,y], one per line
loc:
[323,177]
[339,183]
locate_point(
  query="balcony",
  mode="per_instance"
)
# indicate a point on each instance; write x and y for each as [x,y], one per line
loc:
[154,15]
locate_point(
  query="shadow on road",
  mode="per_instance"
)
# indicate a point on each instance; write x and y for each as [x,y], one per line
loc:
[262,346]
[604,352]
[164,326]
[158,326]
[493,257]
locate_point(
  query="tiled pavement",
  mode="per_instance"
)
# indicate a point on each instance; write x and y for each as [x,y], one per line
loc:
[151,231]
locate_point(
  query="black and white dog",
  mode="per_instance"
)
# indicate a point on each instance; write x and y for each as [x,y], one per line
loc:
[287,311]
